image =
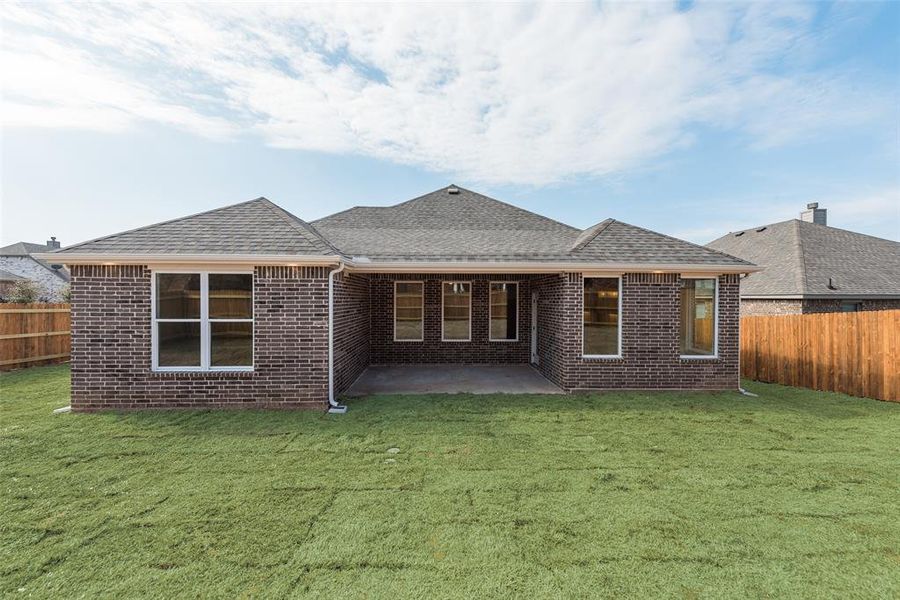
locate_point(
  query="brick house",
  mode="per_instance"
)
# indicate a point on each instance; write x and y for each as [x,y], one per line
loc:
[19,261]
[810,267]
[249,305]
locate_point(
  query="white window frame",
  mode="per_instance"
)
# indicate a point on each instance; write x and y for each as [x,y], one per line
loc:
[205,327]
[421,283]
[618,353]
[715,354]
[471,291]
[490,307]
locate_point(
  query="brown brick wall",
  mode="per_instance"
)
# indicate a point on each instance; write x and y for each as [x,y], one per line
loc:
[111,362]
[384,350]
[650,337]
[351,329]
[760,307]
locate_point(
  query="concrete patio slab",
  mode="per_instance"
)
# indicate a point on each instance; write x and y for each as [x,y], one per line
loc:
[451,379]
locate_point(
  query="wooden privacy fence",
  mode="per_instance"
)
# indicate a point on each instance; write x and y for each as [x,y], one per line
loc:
[33,334]
[855,353]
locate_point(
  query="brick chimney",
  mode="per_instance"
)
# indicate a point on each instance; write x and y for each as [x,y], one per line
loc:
[52,244]
[814,214]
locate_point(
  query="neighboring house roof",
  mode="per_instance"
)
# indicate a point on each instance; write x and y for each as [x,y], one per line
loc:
[22,249]
[800,257]
[252,227]
[27,249]
[450,225]
[7,276]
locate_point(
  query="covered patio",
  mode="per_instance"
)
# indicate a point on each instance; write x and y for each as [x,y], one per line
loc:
[451,379]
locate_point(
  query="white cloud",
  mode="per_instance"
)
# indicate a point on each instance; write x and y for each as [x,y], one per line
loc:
[502,93]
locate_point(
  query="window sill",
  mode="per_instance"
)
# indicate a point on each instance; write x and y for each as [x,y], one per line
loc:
[700,358]
[504,341]
[603,358]
[229,373]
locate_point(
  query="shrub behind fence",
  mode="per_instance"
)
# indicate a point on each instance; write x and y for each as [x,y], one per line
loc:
[33,334]
[856,353]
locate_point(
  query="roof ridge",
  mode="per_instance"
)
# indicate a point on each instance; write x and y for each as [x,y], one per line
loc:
[672,237]
[299,224]
[580,245]
[841,229]
[518,208]
[166,222]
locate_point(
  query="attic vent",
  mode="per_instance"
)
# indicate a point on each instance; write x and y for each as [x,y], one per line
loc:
[739,234]
[832,285]
[452,190]
[761,229]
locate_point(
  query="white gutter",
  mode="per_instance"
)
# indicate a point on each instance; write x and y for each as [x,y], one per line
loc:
[333,406]
[366,265]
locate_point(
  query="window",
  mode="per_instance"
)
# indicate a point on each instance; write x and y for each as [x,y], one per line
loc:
[601,324]
[699,330]
[456,324]
[850,306]
[203,321]
[409,310]
[504,312]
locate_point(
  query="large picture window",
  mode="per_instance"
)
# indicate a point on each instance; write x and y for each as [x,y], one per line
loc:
[456,323]
[409,311]
[504,312]
[601,319]
[203,321]
[698,317]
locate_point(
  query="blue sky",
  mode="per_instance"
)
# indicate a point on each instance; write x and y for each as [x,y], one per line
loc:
[688,118]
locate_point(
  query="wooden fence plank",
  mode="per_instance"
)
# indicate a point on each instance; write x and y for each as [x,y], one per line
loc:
[34,333]
[854,353]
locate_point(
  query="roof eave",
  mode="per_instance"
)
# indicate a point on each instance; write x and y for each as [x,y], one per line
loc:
[541,267]
[76,258]
[832,296]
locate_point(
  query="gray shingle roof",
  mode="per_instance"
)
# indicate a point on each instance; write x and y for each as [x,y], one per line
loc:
[800,257]
[471,227]
[253,227]
[444,226]
[439,226]
[615,241]
[22,249]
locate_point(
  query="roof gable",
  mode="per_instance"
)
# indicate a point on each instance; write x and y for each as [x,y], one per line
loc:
[800,258]
[617,242]
[253,227]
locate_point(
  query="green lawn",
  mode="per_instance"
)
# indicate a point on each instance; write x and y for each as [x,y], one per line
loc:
[686,495]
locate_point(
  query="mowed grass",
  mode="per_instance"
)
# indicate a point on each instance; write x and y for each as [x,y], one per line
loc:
[686,495]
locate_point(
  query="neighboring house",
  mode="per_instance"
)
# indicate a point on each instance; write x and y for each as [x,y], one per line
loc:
[233,307]
[811,267]
[7,280]
[19,260]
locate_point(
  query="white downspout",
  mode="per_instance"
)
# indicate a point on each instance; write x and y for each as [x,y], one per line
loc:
[333,406]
